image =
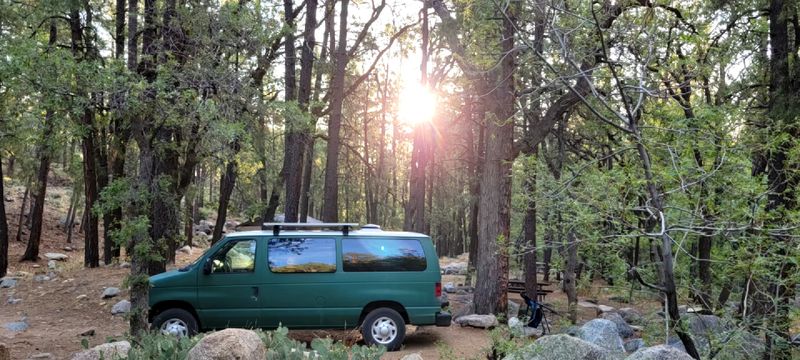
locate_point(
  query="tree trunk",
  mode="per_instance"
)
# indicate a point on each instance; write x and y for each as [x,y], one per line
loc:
[32,250]
[22,211]
[570,267]
[495,194]
[529,259]
[227,182]
[330,204]
[293,125]
[35,218]
[3,225]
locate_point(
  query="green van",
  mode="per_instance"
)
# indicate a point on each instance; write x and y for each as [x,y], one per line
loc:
[306,276]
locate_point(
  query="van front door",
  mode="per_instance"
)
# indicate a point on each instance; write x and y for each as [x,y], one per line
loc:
[230,291]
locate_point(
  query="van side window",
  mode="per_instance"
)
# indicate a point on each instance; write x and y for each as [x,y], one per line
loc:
[383,255]
[310,255]
[239,256]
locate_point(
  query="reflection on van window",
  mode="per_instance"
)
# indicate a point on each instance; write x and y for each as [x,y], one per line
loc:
[302,255]
[382,255]
[237,256]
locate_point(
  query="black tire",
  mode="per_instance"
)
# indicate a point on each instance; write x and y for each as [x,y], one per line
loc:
[172,320]
[384,319]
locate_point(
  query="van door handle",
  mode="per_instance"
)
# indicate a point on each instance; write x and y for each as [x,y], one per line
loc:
[255,293]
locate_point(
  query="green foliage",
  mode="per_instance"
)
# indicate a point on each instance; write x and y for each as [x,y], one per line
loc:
[154,345]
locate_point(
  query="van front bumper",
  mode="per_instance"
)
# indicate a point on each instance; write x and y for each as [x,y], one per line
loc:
[443,318]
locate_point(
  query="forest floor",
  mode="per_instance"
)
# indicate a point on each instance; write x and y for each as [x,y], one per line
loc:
[60,311]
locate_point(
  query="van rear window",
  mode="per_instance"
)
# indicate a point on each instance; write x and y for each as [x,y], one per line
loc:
[382,255]
[302,255]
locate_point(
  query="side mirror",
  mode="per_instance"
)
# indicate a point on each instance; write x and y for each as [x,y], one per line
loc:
[207,267]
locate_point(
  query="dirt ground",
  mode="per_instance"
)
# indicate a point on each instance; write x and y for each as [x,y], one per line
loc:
[58,311]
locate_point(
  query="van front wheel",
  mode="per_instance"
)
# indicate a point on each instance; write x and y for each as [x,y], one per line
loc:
[385,327]
[176,322]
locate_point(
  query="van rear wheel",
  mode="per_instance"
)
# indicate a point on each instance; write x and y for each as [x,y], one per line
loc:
[176,322]
[384,327]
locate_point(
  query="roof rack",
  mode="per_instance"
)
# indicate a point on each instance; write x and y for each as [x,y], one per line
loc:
[277,227]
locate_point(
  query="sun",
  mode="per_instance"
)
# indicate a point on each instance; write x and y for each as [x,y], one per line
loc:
[416,105]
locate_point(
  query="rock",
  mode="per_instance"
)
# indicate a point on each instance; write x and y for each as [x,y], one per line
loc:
[125,265]
[457,268]
[5,352]
[114,350]
[81,296]
[634,345]
[56,256]
[738,344]
[87,332]
[40,278]
[36,266]
[449,287]
[528,331]
[42,356]
[413,356]
[515,324]
[204,226]
[186,249]
[17,326]
[8,283]
[601,309]
[51,264]
[571,331]
[8,198]
[68,248]
[559,347]
[12,301]
[603,333]
[110,292]
[675,342]
[478,321]
[631,316]
[461,305]
[513,309]
[122,307]
[659,352]
[229,344]
[705,329]
[586,304]
[623,329]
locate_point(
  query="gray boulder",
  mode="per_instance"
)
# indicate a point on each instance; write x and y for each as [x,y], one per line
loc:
[17,326]
[413,356]
[560,347]
[110,292]
[8,283]
[120,308]
[603,333]
[623,328]
[449,287]
[634,345]
[461,305]
[458,268]
[478,321]
[631,316]
[238,344]
[513,309]
[659,352]
[114,350]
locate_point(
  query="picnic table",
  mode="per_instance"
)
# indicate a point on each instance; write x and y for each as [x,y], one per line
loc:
[518,287]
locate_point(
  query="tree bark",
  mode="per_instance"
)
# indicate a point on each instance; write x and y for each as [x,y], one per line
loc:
[330,202]
[570,267]
[3,225]
[226,185]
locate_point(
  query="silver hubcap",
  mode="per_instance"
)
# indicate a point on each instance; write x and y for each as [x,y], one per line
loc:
[384,330]
[175,327]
